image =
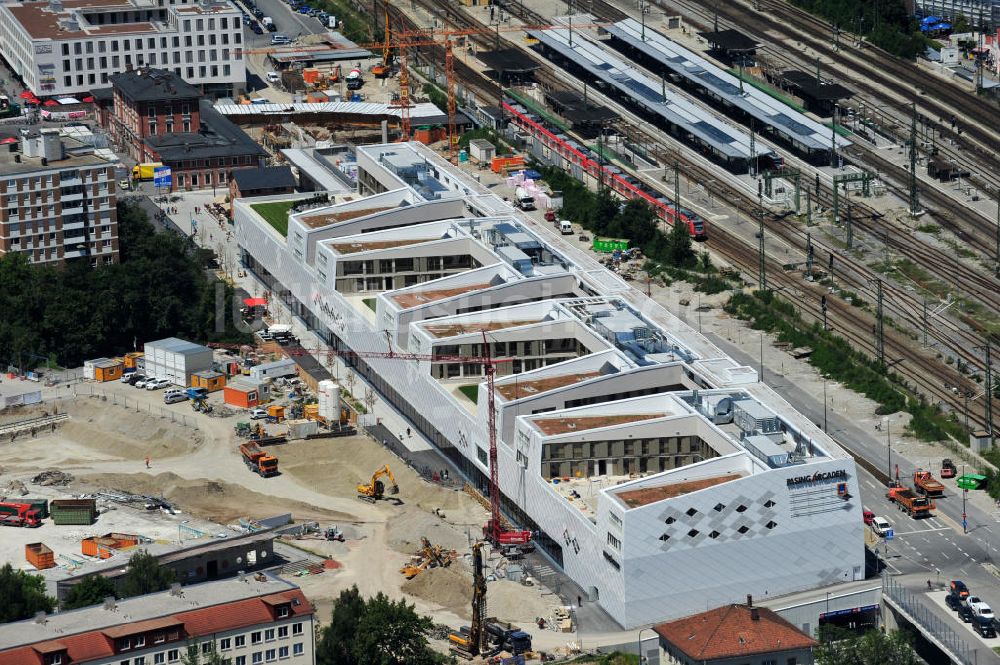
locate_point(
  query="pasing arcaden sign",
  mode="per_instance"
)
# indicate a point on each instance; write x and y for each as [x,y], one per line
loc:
[839,474]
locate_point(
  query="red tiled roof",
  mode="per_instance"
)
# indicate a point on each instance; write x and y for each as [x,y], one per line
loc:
[731,631]
[124,629]
[96,644]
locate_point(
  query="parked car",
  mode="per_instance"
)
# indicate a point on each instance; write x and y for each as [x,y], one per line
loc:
[134,377]
[273,77]
[959,589]
[880,526]
[157,384]
[127,377]
[257,30]
[125,184]
[173,396]
[965,614]
[280,39]
[141,383]
[985,628]
[271,27]
[257,414]
[980,608]
[867,516]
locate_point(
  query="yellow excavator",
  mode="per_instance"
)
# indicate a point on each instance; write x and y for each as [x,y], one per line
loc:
[430,556]
[375,489]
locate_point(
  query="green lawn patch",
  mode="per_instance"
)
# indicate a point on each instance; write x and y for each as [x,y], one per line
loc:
[370,302]
[470,391]
[276,214]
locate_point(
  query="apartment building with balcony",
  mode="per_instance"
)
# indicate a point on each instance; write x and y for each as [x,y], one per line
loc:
[66,47]
[57,199]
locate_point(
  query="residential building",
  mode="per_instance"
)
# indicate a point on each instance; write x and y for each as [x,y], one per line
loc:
[683,482]
[65,47]
[159,117]
[57,198]
[734,635]
[256,619]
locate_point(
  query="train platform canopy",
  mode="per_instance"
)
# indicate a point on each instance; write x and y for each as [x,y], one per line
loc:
[730,40]
[572,105]
[726,140]
[508,61]
[791,125]
[809,86]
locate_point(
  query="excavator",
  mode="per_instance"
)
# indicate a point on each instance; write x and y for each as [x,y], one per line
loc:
[375,489]
[431,556]
[382,71]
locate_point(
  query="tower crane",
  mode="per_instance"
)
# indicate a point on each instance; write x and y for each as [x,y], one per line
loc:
[494,530]
[419,38]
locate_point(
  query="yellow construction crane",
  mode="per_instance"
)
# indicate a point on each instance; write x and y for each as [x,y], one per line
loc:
[375,489]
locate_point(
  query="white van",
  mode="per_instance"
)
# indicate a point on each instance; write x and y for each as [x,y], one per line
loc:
[565,227]
[279,39]
[273,77]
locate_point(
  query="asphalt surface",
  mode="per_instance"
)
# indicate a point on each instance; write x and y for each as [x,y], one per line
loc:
[289,23]
[933,548]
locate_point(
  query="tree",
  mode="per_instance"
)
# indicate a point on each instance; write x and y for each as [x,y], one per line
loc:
[91,590]
[145,575]
[22,595]
[842,647]
[378,631]
[681,254]
[202,653]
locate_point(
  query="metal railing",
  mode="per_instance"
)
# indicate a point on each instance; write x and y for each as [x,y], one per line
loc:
[932,625]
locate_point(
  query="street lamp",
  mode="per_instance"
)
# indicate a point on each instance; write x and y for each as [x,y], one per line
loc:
[824,403]
[642,659]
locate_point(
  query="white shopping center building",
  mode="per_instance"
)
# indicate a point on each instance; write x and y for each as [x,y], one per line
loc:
[658,473]
[61,47]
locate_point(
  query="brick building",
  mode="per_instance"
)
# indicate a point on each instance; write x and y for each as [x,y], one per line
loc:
[158,117]
[257,619]
[57,198]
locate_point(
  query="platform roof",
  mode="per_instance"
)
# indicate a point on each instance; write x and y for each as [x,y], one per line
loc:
[786,121]
[816,89]
[728,140]
[730,40]
[571,104]
[508,60]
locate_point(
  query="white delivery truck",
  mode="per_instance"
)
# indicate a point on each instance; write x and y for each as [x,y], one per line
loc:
[524,200]
[566,227]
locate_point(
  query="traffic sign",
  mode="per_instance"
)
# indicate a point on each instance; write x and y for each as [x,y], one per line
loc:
[162,176]
[889,534]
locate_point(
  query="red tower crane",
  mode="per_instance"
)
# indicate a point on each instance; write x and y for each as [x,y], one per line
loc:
[494,530]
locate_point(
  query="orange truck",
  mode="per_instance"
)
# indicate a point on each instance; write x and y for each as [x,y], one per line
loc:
[258,460]
[911,503]
[927,484]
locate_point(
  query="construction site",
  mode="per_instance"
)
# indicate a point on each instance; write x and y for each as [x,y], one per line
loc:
[341,511]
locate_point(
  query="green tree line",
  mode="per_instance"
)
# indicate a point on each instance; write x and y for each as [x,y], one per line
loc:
[886,24]
[66,315]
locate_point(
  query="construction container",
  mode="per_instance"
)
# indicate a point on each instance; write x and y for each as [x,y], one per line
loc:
[317,98]
[481,150]
[41,505]
[422,134]
[39,556]
[131,359]
[208,379]
[300,429]
[103,369]
[73,511]
[310,75]
[242,392]
[104,546]
[273,370]
[276,411]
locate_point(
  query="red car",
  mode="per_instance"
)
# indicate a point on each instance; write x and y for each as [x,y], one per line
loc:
[868,516]
[550,215]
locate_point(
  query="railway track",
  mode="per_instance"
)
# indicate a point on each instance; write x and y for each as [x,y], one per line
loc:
[852,323]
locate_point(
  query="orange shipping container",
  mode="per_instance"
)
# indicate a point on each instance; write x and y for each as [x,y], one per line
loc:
[102,546]
[310,75]
[39,556]
[242,393]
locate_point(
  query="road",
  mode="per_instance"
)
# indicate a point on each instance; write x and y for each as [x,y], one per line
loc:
[932,549]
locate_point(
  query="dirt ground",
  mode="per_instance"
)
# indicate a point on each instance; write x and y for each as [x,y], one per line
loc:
[104,446]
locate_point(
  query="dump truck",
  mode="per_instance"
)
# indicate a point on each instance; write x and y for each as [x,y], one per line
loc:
[19,514]
[507,636]
[927,484]
[910,502]
[258,460]
[145,170]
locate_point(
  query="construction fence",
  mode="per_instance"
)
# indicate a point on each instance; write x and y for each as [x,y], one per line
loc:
[133,404]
